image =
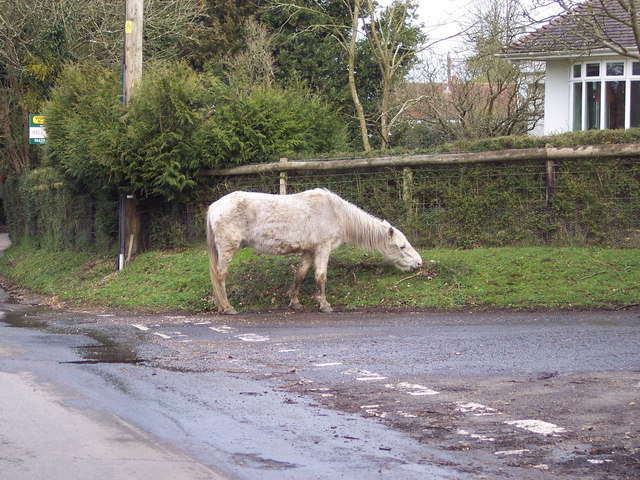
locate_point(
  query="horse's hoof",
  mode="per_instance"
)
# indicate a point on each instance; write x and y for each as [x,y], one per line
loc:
[326,309]
[229,311]
[296,306]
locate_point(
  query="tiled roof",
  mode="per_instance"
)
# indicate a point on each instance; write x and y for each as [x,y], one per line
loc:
[570,32]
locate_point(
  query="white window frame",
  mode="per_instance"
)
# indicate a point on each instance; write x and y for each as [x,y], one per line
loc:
[602,78]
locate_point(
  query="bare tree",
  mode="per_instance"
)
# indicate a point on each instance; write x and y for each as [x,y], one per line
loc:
[344,30]
[485,95]
[352,42]
[393,44]
[255,65]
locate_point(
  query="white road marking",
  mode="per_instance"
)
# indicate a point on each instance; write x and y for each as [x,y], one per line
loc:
[328,364]
[252,337]
[538,426]
[221,329]
[364,375]
[373,411]
[416,389]
[477,409]
[512,452]
[287,350]
[162,335]
[202,323]
[105,315]
[476,436]
[140,327]
[406,414]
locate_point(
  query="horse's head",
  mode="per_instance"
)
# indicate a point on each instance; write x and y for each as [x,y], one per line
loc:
[397,250]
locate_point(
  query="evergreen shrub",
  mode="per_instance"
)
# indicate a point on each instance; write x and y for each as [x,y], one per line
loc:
[46,208]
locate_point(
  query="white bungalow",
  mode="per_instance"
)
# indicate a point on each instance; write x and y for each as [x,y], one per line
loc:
[592,76]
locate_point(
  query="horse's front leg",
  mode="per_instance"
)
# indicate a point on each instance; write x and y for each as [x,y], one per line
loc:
[321,260]
[301,272]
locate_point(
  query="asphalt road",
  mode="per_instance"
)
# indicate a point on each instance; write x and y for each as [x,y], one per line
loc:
[302,396]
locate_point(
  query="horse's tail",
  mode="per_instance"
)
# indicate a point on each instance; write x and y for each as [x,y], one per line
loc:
[212,250]
[217,264]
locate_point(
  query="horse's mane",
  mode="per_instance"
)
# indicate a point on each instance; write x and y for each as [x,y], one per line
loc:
[359,226]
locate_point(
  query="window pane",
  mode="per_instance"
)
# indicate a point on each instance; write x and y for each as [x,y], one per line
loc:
[614,106]
[593,69]
[635,68]
[635,104]
[615,68]
[577,106]
[593,105]
[577,71]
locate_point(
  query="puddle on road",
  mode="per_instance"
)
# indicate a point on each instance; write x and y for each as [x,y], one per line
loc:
[95,354]
[105,350]
[21,320]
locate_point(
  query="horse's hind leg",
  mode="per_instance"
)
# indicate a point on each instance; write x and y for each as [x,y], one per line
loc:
[220,291]
[320,264]
[218,272]
[301,272]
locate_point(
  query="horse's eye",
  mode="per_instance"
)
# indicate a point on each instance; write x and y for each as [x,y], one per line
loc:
[403,247]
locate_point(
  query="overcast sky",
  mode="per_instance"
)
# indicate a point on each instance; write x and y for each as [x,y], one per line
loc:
[441,19]
[445,18]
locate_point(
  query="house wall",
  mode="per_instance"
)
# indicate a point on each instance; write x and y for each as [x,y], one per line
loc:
[556,97]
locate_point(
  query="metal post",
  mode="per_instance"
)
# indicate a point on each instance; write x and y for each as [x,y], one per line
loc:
[121,231]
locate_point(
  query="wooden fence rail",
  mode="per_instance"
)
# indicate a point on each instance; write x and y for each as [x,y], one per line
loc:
[516,155]
[548,154]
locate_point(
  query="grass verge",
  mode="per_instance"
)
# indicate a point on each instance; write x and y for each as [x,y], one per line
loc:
[521,278]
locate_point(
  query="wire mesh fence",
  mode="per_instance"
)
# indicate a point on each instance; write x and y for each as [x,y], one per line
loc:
[591,202]
[580,202]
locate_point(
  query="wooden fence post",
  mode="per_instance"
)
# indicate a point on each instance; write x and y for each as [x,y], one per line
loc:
[283,179]
[551,180]
[407,188]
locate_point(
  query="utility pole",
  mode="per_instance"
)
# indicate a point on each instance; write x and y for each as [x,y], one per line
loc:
[132,47]
[129,220]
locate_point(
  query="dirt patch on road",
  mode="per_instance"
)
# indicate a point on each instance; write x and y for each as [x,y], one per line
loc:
[582,426]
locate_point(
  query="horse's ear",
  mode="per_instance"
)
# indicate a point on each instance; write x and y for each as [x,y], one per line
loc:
[390,232]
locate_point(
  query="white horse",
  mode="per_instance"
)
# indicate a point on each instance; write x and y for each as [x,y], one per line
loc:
[311,224]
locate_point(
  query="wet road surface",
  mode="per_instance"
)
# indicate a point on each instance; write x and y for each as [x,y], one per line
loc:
[397,396]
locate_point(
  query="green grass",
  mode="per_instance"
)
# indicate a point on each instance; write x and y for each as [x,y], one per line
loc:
[521,278]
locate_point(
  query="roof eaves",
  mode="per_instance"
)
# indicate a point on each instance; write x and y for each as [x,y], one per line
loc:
[573,55]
